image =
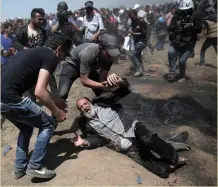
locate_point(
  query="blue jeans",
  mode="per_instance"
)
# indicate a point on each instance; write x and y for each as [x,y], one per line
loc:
[207,43]
[160,42]
[173,55]
[136,56]
[25,116]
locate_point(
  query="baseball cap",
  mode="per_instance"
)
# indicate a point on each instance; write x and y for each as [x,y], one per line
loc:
[59,39]
[109,43]
[89,4]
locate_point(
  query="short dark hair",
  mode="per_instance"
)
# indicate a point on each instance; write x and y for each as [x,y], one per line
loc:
[37,10]
[132,12]
[7,25]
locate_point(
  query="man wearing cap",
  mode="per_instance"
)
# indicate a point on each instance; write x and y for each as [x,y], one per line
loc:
[92,23]
[83,62]
[33,67]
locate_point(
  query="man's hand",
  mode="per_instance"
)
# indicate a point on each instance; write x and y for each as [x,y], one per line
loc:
[12,51]
[60,103]
[113,80]
[78,141]
[60,116]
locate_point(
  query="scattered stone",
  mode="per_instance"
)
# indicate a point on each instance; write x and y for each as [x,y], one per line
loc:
[6,149]
[139,179]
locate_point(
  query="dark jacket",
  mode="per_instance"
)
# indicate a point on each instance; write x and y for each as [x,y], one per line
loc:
[140,26]
[183,30]
[21,39]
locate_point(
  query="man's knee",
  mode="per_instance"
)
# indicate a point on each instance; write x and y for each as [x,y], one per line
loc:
[142,134]
[171,51]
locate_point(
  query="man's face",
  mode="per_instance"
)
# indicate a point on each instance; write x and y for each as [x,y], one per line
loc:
[9,30]
[38,20]
[173,10]
[147,9]
[20,24]
[104,56]
[61,53]
[133,16]
[89,10]
[86,107]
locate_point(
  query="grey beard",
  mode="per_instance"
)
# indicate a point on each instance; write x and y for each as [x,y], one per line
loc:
[91,113]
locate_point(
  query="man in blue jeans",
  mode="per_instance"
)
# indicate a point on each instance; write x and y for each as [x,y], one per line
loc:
[183,30]
[29,68]
[139,33]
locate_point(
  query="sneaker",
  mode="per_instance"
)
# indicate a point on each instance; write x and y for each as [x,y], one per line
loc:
[138,74]
[181,80]
[154,51]
[19,174]
[41,173]
[171,76]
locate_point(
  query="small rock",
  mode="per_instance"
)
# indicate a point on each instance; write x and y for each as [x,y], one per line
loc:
[6,149]
[139,179]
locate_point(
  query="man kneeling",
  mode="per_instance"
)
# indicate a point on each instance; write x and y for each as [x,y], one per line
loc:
[105,125]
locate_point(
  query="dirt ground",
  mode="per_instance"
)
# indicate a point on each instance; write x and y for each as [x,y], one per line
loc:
[103,166]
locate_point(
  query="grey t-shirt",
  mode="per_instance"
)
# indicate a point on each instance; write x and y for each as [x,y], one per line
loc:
[85,58]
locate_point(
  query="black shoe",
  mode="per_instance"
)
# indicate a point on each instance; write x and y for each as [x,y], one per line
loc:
[171,77]
[19,174]
[41,173]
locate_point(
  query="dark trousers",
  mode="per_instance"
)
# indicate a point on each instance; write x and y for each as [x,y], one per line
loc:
[143,148]
[67,77]
[207,43]
[160,42]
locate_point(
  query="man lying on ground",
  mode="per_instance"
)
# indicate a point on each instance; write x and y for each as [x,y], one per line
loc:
[104,124]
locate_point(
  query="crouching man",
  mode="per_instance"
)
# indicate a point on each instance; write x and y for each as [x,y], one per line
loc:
[29,68]
[104,124]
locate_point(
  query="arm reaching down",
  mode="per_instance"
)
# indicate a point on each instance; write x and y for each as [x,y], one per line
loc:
[44,96]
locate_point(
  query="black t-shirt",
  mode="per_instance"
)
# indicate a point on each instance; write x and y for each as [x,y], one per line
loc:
[22,70]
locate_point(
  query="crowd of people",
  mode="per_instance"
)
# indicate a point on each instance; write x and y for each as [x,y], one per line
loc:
[86,42]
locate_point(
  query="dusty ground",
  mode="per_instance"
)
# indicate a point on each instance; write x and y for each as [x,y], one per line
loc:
[105,167]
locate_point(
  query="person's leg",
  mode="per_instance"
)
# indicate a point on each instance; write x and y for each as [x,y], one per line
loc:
[53,85]
[207,43]
[23,140]
[26,115]
[162,42]
[144,158]
[182,64]
[67,77]
[172,54]
[35,117]
[149,140]
[149,43]
[215,43]
[136,58]
[172,58]
[140,47]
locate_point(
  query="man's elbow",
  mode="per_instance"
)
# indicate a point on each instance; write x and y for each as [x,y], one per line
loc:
[84,82]
[39,92]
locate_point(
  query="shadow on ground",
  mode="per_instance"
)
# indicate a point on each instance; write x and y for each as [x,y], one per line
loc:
[57,153]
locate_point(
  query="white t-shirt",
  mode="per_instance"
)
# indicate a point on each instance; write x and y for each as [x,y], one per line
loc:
[34,38]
